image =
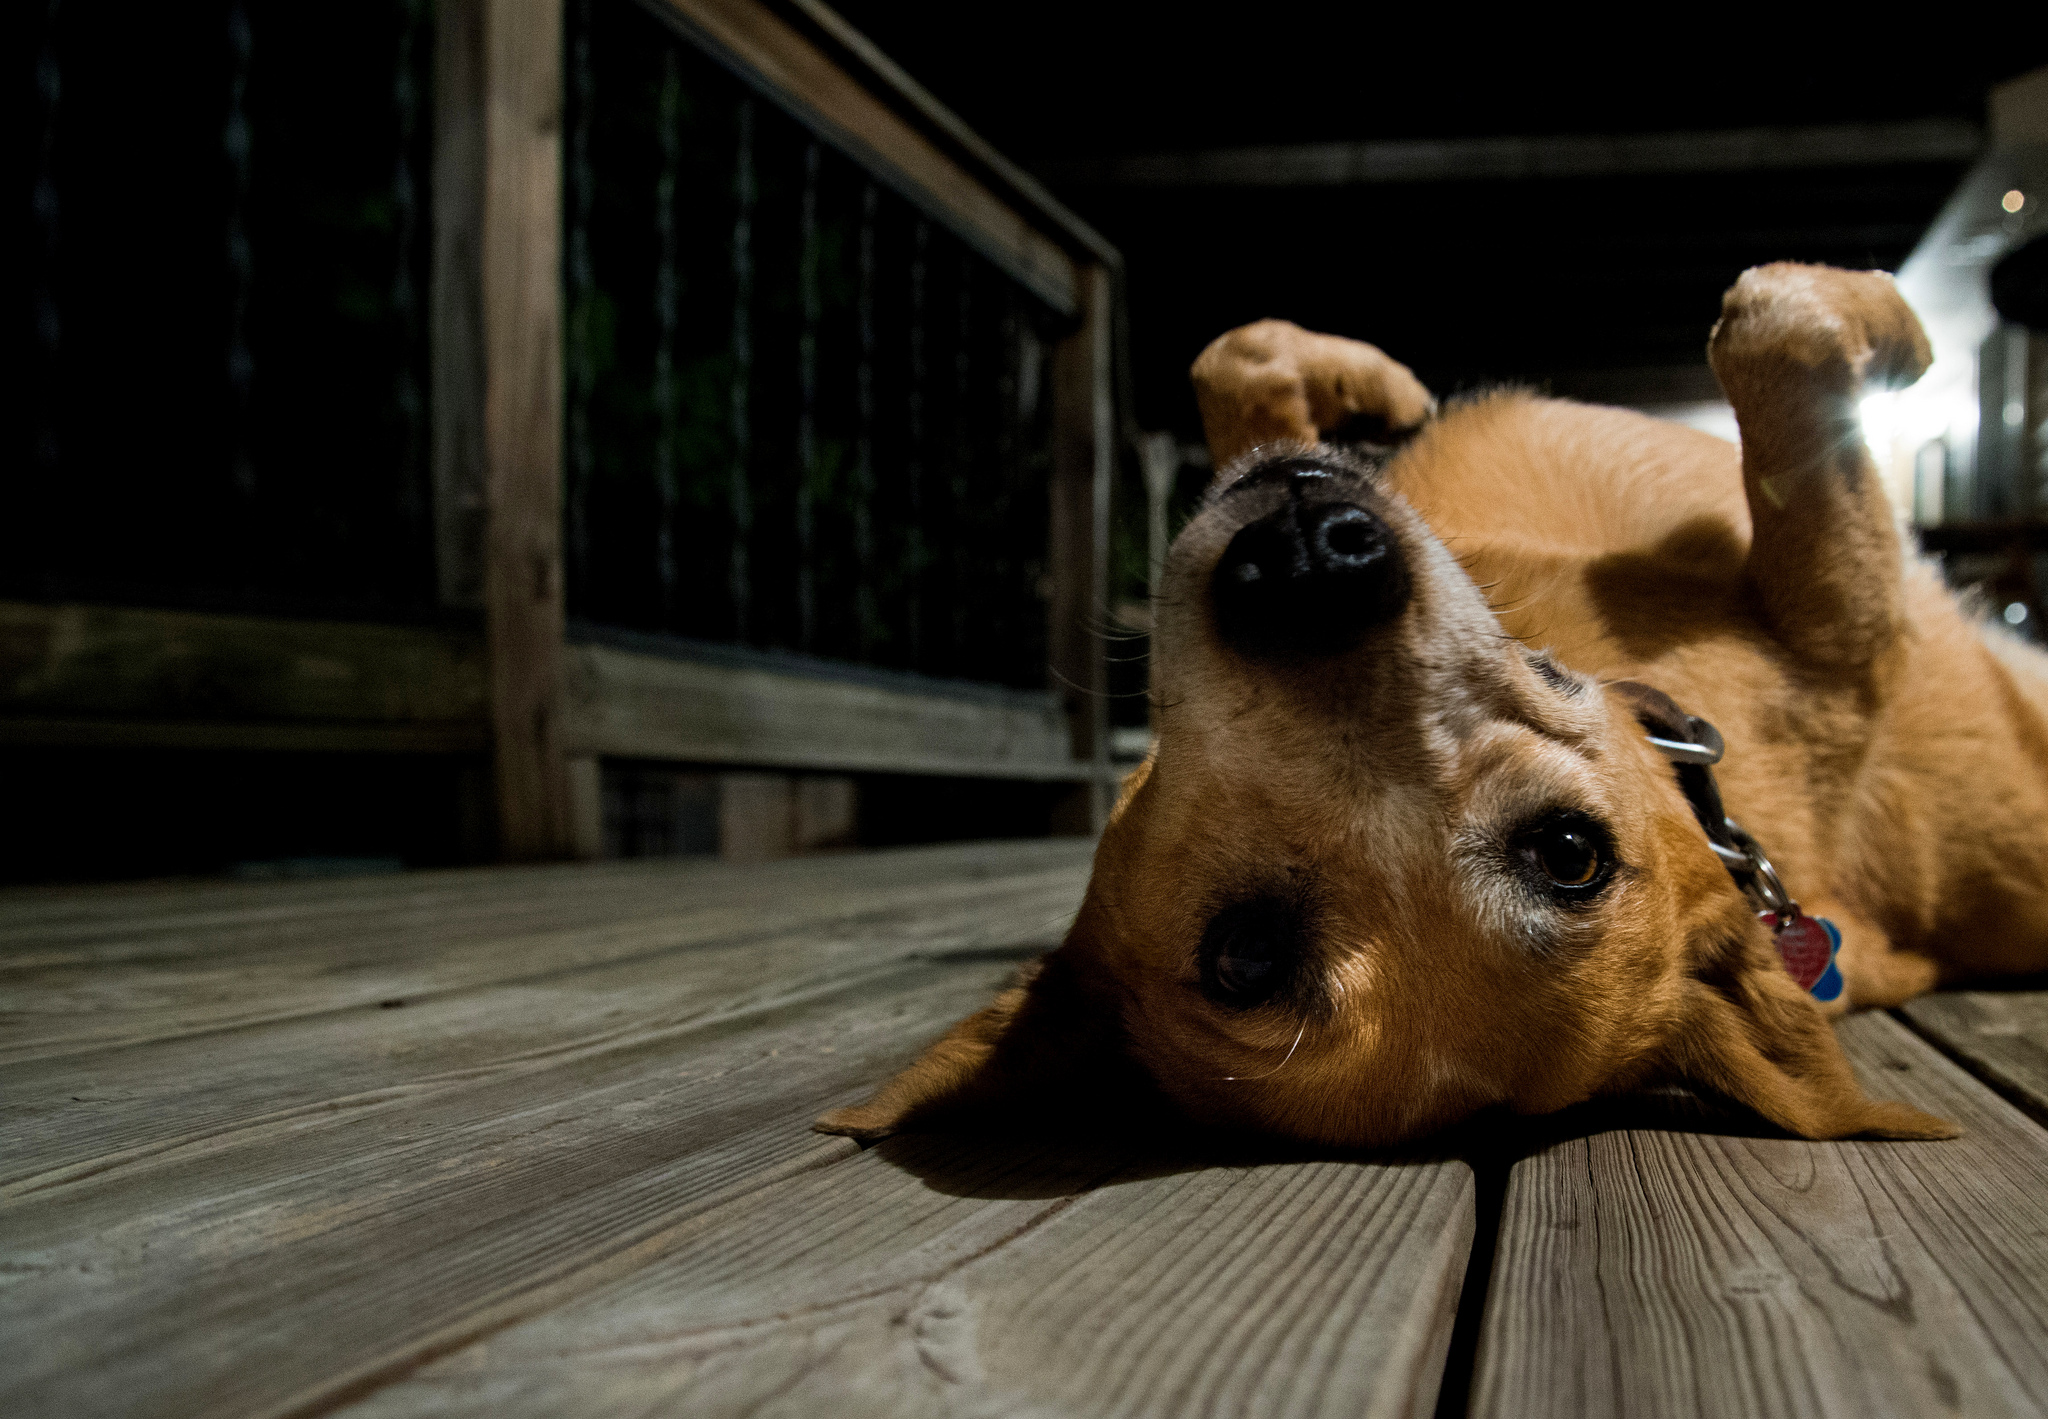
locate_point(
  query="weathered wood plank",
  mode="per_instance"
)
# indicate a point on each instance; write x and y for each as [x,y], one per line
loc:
[991,1275]
[233,959]
[119,921]
[275,1275]
[1023,188]
[1644,1272]
[521,281]
[2003,1034]
[630,705]
[84,1117]
[94,677]
[121,665]
[753,41]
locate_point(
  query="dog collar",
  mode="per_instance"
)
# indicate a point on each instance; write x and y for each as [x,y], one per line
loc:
[1806,944]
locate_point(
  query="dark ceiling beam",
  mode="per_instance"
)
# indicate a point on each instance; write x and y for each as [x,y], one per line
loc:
[1931,140]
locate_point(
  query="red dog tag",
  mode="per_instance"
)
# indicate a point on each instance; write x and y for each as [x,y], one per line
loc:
[1807,946]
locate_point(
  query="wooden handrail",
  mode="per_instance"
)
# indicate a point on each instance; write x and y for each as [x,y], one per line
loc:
[747,38]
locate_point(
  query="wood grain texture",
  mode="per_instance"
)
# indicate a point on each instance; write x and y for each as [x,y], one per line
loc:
[522,422]
[752,40]
[128,666]
[263,1219]
[2003,1035]
[1650,1273]
[122,921]
[631,705]
[986,1275]
[205,959]
[271,1279]
[1011,179]
[78,1117]
[96,676]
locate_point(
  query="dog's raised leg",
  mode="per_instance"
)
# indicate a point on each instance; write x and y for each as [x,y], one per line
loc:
[1796,349]
[1273,382]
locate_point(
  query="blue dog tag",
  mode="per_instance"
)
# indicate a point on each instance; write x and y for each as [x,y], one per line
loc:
[1829,986]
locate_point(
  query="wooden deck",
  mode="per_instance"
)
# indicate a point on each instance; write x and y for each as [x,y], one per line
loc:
[535,1142]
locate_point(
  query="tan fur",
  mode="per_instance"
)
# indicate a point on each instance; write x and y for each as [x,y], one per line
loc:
[1891,754]
[1272,381]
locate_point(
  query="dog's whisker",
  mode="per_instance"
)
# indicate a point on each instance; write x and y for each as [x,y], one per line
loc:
[1247,1078]
[1113,632]
[1099,694]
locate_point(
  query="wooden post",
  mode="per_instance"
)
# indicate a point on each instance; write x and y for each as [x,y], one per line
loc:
[498,386]
[1084,454]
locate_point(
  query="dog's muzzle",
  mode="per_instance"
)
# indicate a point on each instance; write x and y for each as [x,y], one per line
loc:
[1313,576]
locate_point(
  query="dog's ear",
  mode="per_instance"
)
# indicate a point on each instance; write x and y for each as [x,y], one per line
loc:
[1050,1046]
[1749,1031]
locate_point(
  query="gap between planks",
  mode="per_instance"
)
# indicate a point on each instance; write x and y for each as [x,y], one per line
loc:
[1643,1271]
[1999,1036]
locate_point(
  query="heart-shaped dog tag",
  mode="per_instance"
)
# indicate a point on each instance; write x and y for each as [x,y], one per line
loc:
[1807,946]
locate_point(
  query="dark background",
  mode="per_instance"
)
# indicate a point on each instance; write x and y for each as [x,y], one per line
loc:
[1574,283]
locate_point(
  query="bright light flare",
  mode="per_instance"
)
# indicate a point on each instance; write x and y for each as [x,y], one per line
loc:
[2013,200]
[1880,414]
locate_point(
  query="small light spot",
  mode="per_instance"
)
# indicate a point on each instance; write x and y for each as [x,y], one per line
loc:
[2013,200]
[2015,613]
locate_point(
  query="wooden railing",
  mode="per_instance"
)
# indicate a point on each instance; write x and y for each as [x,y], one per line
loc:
[509,56]
[767,418]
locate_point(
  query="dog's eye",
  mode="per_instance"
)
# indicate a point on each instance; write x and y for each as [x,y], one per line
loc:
[1244,967]
[1570,852]
[1249,952]
[1569,857]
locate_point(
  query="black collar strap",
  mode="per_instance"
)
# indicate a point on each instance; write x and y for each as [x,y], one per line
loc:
[1693,746]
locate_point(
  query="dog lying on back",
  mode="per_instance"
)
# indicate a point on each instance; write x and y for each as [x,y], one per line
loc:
[1405,848]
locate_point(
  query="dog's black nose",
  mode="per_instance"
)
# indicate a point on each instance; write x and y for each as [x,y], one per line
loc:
[1309,579]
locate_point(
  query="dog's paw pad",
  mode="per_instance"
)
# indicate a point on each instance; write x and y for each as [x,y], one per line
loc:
[1819,318]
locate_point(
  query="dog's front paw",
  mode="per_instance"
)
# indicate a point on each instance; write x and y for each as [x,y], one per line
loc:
[1853,325]
[1274,382]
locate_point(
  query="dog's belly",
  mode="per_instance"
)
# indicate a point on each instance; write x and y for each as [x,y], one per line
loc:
[1612,539]
[1545,476]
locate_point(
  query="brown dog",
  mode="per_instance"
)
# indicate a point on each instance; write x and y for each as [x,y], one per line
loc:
[1392,863]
